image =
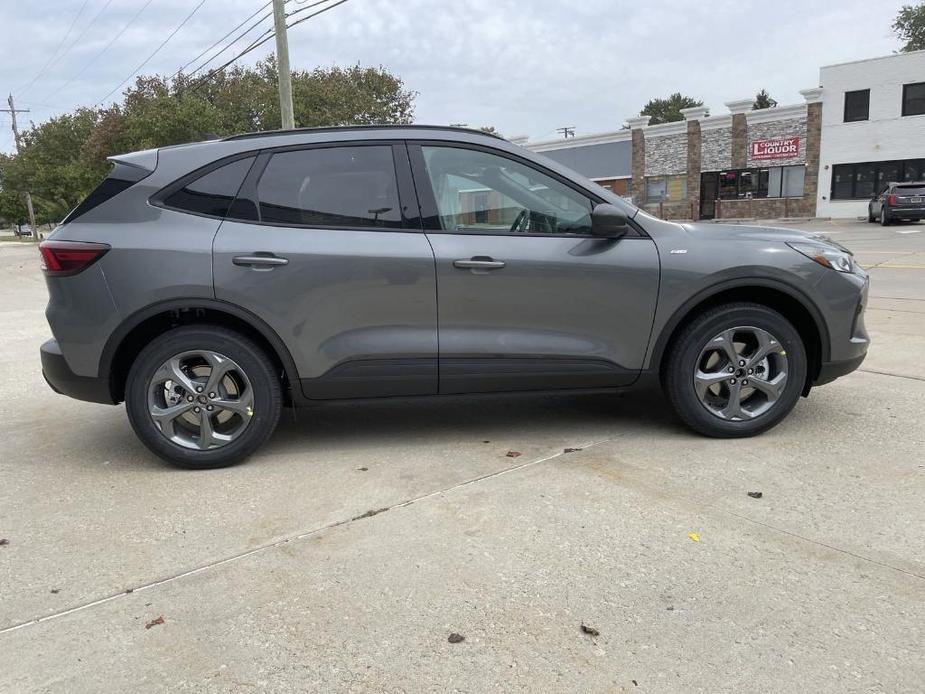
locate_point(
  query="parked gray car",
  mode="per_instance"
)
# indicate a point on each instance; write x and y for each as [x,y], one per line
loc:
[208,285]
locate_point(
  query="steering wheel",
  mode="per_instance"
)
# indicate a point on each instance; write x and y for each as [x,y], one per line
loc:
[520,221]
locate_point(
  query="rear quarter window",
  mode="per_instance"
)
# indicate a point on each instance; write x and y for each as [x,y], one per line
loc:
[213,193]
[120,178]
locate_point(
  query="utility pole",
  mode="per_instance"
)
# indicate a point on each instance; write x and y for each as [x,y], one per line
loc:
[282,65]
[567,131]
[12,110]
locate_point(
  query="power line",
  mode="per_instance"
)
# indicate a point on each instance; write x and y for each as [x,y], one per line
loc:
[41,72]
[105,48]
[259,10]
[154,53]
[259,42]
[233,42]
[82,33]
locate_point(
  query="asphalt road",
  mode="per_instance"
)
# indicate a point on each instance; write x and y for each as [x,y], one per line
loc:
[122,574]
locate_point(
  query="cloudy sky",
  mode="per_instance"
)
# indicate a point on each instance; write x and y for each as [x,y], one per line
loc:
[524,66]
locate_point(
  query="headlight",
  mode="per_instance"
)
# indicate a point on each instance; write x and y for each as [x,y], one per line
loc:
[839,260]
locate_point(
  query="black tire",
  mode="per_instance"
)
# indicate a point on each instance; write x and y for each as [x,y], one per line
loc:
[686,349]
[870,215]
[259,370]
[885,220]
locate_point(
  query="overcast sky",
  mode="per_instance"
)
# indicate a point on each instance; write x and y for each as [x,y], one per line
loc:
[524,66]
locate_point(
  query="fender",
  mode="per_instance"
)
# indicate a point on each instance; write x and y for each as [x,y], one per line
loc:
[661,342]
[137,318]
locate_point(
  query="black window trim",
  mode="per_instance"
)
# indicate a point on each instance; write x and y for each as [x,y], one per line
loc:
[410,212]
[428,203]
[866,117]
[905,89]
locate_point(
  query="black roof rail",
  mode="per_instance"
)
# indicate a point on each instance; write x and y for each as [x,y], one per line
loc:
[384,126]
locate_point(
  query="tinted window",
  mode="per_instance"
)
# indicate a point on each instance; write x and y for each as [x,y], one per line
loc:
[122,177]
[212,193]
[331,187]
[914,99]
[478,191]
[910,190]
[857,105]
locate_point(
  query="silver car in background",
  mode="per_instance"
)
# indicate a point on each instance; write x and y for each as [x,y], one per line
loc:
[208,285]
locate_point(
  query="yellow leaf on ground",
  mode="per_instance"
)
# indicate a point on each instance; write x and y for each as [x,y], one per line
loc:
[694,536]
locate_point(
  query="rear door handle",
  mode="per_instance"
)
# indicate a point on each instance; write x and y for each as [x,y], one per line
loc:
[260,262]
[479,262]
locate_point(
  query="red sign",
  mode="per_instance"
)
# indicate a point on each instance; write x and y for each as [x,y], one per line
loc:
[785,148]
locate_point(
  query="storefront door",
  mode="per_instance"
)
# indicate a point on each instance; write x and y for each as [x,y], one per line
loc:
[709,182]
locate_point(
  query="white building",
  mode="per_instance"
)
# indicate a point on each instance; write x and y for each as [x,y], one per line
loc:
[873,130]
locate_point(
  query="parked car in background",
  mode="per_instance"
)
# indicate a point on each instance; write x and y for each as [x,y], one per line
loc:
[898,202]
[207,285]
[22,230]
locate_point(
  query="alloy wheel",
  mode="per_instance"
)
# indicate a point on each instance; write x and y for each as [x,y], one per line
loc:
[200,400]
[741,373]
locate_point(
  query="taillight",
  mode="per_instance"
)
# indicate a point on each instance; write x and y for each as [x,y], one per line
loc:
[890,199]
[60,258]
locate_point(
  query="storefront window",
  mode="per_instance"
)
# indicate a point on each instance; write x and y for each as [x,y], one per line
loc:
[793,181]
[864,177]
[677,188]
[656,188]
[748,184]
[728,185]
[775,176]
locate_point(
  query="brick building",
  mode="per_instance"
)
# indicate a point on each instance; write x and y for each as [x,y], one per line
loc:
[828,155]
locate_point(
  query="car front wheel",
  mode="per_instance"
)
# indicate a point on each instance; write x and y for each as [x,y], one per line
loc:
[203,397]
[735,370]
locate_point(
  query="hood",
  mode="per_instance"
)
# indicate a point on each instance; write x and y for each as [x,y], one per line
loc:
[714,231]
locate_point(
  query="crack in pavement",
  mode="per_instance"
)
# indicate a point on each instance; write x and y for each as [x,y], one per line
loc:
[887,373]
[292,538]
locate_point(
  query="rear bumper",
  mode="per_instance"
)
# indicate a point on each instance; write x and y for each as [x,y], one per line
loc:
[62,380]
[906,212]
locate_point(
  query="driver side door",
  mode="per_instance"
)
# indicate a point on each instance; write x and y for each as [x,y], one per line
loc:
[527,298]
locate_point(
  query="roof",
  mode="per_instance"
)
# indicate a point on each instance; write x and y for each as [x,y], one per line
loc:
[347,128]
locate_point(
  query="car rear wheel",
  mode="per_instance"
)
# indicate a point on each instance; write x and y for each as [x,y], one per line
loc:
[884,217]
[735,370]
[203,397]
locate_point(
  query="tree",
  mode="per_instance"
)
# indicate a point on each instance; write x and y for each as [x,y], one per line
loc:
[62,159]
[763,100]
[12,204]
[910,27]
[668,110]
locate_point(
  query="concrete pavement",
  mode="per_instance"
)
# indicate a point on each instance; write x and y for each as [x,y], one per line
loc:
[272,576]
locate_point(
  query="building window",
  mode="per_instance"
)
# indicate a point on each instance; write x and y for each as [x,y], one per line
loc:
[914,99]
[857,105]
[862,181]
[656,188]
[773,182]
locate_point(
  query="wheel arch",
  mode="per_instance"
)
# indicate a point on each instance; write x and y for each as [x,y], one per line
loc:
[144,325]
[783,298]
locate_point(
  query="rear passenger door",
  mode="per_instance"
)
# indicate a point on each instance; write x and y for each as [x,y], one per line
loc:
[324,243]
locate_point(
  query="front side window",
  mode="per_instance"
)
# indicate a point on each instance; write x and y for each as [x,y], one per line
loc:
[477,191]
[331,187]
[857,105]
[914,99]
[212,193]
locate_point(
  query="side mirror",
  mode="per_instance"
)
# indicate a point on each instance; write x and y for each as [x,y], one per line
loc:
[608,222]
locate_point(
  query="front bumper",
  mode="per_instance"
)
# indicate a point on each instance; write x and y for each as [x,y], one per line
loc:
[62,380]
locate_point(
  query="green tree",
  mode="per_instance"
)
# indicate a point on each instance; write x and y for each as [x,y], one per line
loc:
[909,26]
[62,159]
[668,110]
[12,203]
[763,100]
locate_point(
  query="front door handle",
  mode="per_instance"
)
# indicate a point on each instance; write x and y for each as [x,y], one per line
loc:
[478,262]
[260,262]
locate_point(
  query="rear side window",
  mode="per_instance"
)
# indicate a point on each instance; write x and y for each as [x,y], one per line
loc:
[213,193]
[331,187]
[120,178]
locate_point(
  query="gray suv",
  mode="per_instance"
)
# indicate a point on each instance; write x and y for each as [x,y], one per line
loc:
[208,285]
